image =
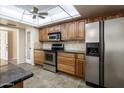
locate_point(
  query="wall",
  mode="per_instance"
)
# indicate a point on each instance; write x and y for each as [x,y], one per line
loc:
[15,45]
[21,45]
[10,45]
[12,42]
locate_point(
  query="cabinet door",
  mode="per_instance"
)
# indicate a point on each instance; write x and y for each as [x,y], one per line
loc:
[57,28]
[71,33]
[80,30]
[43,34]
[40,35]
[38,57]
[63,29]
[66,64]
[50,29]
[80,68]
[54,29]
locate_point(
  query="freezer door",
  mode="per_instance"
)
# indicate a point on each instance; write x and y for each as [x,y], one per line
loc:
[114,53]
[92,32]
[92,69]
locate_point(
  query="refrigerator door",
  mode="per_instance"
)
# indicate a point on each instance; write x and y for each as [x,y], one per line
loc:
[114,53]
[92,32]
[92,69]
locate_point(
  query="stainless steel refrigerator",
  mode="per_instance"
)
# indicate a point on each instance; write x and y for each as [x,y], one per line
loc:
[105,53]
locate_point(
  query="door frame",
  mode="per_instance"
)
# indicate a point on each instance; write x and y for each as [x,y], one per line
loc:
[31,61]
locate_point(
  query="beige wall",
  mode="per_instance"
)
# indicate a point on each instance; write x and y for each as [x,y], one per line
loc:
[12,42]
[15,45]
[10,45]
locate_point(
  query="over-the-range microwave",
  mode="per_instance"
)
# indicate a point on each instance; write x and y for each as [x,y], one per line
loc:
[55,36]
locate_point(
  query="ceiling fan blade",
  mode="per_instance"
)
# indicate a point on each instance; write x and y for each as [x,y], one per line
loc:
[41,17]
[34,16]
[43,13]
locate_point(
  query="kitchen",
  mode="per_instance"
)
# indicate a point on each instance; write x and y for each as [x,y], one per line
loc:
[70,52]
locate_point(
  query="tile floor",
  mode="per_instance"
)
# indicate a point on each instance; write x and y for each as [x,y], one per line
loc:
[46,79]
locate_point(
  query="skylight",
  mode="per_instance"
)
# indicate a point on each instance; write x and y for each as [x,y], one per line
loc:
[55,14]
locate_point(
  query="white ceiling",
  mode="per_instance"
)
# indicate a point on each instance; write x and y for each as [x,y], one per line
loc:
[56,13]
[40,7]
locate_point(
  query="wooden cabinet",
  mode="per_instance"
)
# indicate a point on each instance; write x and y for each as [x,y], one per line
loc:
[64,29]
[80,66]
[80,30]
[54,29]
[38,57]
[71,33]
[66,62]
[43,34]
[71,63]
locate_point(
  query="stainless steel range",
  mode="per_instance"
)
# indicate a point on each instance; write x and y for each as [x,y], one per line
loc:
[51,57]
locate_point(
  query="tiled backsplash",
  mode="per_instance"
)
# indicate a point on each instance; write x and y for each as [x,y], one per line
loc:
[75,46]
[47,45]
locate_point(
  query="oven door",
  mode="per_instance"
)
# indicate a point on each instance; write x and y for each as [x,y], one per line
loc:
[50,58]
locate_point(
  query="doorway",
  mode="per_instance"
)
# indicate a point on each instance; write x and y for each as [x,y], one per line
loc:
[29,47]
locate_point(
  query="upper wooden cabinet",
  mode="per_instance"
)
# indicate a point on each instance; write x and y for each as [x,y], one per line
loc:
[73,31]
[43,34]
[69,31]
[64,29]
[54,29]
[80,30]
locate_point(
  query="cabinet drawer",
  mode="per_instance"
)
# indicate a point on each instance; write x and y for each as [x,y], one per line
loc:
[66,54]
[80,56]
[66,61]
[66,68]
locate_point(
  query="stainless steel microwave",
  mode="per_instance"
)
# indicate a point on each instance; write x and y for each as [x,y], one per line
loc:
[56,36]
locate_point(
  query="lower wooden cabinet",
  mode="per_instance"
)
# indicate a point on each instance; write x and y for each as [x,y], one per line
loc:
[71,63]
[66,62]
[80,65]
[38,57]
[80,68]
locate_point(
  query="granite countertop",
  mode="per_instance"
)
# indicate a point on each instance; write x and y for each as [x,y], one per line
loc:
[67,51]
[74,51]
[12,74]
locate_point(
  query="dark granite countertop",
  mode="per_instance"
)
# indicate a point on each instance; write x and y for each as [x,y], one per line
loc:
[66,51]
[12,74]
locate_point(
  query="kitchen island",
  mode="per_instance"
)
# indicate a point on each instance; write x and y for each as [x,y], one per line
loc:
[12,76]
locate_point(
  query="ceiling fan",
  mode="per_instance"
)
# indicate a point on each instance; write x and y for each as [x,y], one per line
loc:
[35,12]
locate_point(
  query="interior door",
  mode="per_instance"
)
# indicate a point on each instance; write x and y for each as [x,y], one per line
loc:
[4,45]
[29,49]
